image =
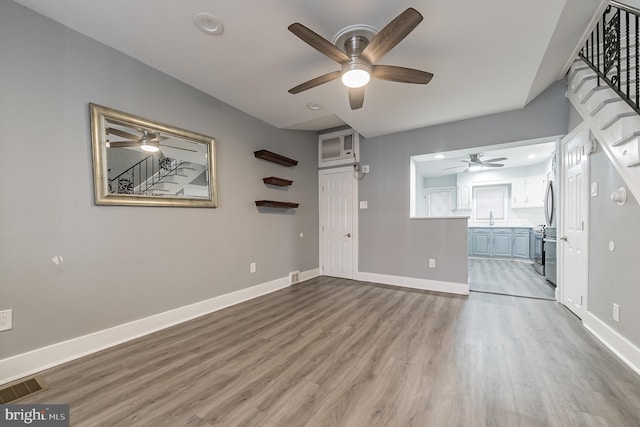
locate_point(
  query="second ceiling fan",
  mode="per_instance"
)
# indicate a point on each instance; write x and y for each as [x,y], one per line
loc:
[475,164]
[362,49]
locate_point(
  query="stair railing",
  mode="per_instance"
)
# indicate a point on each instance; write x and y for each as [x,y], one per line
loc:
[141,177]
[616,32]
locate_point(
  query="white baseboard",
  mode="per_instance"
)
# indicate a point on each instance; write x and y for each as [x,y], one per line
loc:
[309,274]
[414,283]
[619,345]
[22,365]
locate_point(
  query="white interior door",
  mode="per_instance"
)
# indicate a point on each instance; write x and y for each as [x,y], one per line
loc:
[574,235]
[337,222]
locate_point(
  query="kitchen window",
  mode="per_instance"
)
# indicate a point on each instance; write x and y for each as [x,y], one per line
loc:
[490,202]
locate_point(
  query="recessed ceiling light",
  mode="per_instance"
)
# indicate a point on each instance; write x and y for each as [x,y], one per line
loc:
[208,23]
[531,156]
[314,106]
[440,156]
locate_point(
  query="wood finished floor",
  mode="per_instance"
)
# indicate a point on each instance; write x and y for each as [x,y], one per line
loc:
[332,352]
[508,277]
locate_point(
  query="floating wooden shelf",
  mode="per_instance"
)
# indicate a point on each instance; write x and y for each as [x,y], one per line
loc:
[275,158]
[280,182]
[274,204]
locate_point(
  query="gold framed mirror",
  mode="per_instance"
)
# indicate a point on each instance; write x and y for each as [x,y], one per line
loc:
[137,161]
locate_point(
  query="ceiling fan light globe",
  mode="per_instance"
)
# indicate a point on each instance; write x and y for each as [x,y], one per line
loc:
[355,78]
[149,148]
[356,74]
[475,168]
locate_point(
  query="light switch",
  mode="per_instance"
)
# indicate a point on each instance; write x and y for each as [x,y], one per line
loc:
[364,204]
[594,189]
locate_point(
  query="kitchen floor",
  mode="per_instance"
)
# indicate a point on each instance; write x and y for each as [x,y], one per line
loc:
[509,278]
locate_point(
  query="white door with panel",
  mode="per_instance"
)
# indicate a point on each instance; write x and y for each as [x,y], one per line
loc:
[574,238]
[337,222]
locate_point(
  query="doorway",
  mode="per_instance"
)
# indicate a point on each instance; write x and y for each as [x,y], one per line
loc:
[574,220]
[338,222]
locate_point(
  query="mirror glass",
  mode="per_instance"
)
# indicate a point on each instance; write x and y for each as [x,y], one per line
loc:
[137,161]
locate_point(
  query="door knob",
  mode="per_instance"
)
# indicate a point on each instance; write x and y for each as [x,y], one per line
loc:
[348,234]
[564,238]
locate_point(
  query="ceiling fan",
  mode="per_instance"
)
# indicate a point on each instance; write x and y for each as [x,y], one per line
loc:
[475,164]
[362,49]
[148,141]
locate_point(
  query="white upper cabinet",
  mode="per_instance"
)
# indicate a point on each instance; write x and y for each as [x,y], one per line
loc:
[464,196]
[528,192]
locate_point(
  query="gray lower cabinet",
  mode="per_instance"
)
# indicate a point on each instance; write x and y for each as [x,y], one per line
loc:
[481,242]
[499,242]
[521,242]
[502,242]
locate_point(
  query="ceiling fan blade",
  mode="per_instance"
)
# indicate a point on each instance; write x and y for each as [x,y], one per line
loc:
[391,35]
[499,159]
[178,148]
[454,167]
[356,97]
[492,165]
[158,138]
[319,43]
[122,144]
[315,82]
[400,74]
[123,134]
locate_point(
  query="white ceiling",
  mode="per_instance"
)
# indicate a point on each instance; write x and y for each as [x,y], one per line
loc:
[519,154]
[487,57]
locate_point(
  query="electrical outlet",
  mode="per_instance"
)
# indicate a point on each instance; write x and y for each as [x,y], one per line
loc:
[365,169]
[6,321]
[432,263]
[616,312]
[252,267]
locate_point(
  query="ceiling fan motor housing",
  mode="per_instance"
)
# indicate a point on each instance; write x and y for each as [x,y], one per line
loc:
[354,44]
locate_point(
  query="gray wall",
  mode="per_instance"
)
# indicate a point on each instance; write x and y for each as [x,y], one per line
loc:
[391,243]
[613,278]
[125,263]
[574,118]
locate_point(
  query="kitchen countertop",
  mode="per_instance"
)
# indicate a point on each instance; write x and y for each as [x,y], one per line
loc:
[501,226]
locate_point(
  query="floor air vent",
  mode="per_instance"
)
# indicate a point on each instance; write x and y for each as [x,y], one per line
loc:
[17,390]
[294,277]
